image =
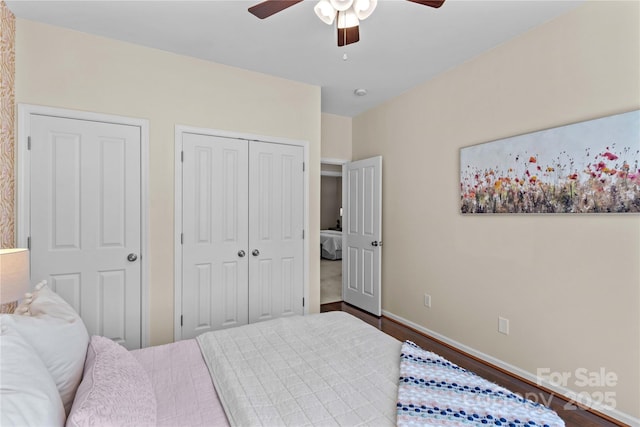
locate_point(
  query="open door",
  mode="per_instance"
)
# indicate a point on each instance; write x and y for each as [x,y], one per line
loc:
[362,233]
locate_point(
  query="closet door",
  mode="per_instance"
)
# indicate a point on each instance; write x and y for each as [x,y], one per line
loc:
[276,224]
[215,215]
[85,220]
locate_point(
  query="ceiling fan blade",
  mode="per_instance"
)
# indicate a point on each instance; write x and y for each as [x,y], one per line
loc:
[348,35]
[270,7]
[430,3]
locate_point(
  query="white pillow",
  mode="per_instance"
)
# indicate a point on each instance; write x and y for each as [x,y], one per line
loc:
[44,301]
[28,395]
[59,337]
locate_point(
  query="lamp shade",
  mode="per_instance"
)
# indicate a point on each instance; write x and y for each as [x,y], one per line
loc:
[325,11]
[341,5]
[364,8]
[14,274]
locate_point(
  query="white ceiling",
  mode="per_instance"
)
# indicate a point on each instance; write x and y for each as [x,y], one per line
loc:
[401,45]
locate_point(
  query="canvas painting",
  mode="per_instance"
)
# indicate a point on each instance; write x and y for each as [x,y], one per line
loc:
[587,167]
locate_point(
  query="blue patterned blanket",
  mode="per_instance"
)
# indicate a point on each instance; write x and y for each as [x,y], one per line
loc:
[436,392]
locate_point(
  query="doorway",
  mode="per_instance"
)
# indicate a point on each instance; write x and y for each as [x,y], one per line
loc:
[330,231]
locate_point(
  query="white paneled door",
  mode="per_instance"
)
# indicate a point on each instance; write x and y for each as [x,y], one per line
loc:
[242,225]
[276,222]
[215,233]
[362,234]
[85,224]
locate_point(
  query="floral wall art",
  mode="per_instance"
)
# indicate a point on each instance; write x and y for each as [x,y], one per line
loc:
[587,167]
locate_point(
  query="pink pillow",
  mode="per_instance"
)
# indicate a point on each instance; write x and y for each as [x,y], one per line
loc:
[115,389]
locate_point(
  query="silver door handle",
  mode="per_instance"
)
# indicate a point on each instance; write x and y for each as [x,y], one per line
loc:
[255,252]
[132,257]
[241,253]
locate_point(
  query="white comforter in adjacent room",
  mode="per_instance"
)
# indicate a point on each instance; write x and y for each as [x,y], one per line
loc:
[331,244]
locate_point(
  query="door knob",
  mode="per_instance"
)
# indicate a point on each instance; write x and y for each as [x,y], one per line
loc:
[374,243]
[241,253]
[132,257]
[255,252]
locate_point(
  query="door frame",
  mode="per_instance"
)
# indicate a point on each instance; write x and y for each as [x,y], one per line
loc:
[23,184]
[177,225]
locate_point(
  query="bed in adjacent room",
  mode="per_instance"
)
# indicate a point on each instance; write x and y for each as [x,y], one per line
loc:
[320,369]
[331,244]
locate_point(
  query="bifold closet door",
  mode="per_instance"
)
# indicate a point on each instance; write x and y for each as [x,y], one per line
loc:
[276,224]
[242,242]
[215,233]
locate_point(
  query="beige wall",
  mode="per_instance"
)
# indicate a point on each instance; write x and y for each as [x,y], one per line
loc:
[68,69]
[570,284]
[336,137]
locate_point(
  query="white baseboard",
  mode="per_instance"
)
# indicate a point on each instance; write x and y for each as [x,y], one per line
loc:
[566,393]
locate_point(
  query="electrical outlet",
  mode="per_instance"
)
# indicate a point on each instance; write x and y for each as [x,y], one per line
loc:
[427,300]
[503,325]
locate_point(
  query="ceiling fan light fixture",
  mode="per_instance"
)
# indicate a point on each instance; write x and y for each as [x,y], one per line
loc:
[348,19]
[346,13]
[325,11]
[364,8]
[341,5]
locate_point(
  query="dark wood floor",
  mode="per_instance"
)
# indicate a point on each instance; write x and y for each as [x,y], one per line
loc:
[577,417]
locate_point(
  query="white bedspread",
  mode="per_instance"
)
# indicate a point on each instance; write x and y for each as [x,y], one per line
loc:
[320,369]
[331,244]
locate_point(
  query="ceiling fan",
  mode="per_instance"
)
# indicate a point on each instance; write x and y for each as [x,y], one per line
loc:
[349,13]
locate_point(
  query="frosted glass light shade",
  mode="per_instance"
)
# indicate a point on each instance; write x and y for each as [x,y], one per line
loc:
[341,5]
[364,8]
[347,19]
[325,11]
[14,274]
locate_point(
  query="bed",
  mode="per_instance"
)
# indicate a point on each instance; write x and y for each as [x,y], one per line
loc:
[321,369]
[331,244]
